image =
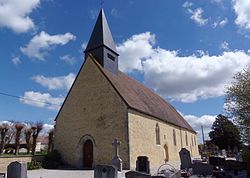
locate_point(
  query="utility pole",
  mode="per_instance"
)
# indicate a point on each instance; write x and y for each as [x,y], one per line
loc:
[203,139]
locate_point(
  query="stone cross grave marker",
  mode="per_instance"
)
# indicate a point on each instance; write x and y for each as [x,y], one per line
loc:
[17,170]
[117,161]
[185,159]
[105,171]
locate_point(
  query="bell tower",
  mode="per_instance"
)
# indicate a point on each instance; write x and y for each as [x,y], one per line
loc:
[101,45]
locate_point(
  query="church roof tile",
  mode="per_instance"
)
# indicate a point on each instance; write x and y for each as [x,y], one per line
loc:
[142,99]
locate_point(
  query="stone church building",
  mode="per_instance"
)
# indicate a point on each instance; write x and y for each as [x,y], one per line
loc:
[104,103]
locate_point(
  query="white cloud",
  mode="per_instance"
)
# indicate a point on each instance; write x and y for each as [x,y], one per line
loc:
[220,23]
[196,122]
[242,11]
[46,129]
[187,4]
[196,14]
[83,46]
[14,14]
[40,44]
[223,22]
[182,78]
[114,12]
[16,60]
[42,100]
[93,13]
[68,59]
[56,83]
[137,47]
[224,46]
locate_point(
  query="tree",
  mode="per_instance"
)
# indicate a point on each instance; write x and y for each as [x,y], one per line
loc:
[51,140]
[28,133]
[238,102]
[4,130]
[224,133]
[19,127]
[36,129]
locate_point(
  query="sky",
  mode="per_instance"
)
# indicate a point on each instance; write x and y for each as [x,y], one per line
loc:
[186,51]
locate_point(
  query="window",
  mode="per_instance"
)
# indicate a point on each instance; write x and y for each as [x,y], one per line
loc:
[174,137]
[111,57]
[192,139]
[157,132]
[186,138]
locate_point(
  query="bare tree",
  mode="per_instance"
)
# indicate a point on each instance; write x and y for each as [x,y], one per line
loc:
[51,140]
[4,130]
[28,133]
[36,129]
[19,127]
[11,132]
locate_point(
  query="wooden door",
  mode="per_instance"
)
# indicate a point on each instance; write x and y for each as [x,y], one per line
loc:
[87,154]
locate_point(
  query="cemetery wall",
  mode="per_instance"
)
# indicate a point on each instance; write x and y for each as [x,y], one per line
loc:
[142,140]
[6,160]
[93,110]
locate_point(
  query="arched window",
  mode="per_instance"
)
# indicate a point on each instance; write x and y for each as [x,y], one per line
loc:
[166,153]
[174,137]
[186,138]
[157,133]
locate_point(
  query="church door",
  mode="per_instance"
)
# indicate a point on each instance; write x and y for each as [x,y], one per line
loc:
[87,154]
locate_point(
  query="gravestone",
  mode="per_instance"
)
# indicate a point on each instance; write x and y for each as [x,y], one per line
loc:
[238,157]
[216,161]
[17,170]
[185,159]
[105,171]
[117,161]
[142,164]
[224,153]
[135,174]
[202,169]
[235,168]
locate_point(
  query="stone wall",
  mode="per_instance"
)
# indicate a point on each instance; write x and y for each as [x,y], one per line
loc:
[142,140]
[92,111]
[6,160]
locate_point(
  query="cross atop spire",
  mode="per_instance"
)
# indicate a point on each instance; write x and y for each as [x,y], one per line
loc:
[101,44]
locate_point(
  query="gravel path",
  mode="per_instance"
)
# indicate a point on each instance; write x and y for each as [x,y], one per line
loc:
[45,173]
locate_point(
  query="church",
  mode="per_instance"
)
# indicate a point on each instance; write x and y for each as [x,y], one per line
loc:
[104,103]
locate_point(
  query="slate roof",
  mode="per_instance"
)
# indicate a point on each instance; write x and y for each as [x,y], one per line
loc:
[140,98]
[101,35]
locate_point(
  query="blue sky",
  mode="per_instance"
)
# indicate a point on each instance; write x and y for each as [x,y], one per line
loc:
[186,51]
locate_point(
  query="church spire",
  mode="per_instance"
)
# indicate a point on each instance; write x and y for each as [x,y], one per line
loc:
[101,44]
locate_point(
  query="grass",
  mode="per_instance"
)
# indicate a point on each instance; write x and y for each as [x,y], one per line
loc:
[42,153]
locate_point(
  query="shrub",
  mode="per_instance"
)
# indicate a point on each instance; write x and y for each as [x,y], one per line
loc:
[52,160]
[246,158]
[34,165]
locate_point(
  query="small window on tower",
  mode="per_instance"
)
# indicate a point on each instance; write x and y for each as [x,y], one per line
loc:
[111,57]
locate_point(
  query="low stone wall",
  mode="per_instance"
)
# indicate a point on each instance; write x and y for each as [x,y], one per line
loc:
[6,160]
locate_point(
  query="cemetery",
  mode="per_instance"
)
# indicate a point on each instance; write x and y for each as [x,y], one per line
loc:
[213,166]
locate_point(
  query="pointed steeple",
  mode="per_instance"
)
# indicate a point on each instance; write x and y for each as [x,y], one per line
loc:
[101,44]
